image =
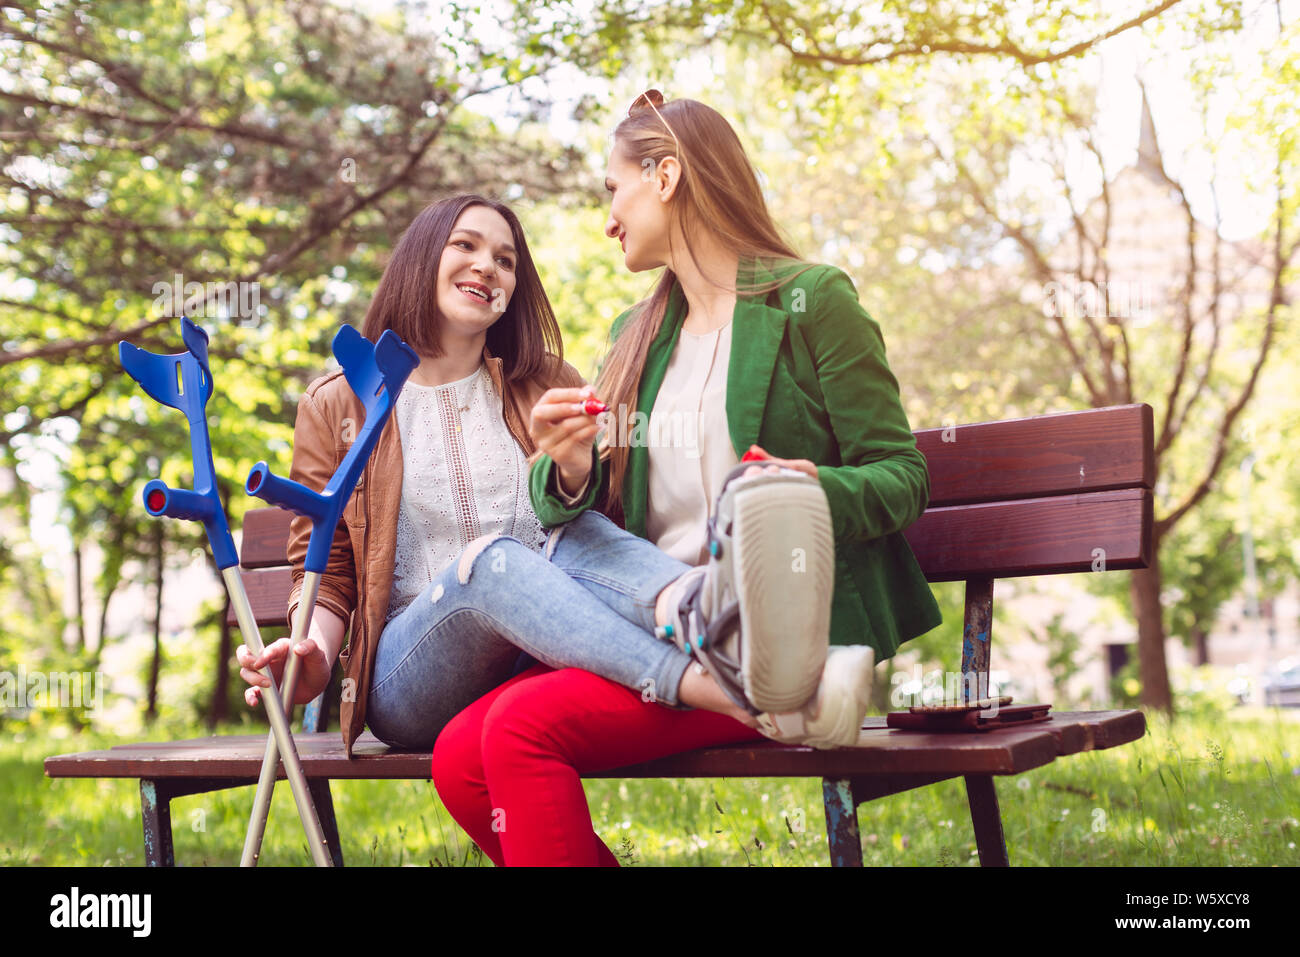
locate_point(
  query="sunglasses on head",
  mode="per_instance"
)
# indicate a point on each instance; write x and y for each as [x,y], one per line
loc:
[653,99]
[650,98]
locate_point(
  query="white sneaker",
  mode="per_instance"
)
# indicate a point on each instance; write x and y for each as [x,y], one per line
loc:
[833,718]
[757,616]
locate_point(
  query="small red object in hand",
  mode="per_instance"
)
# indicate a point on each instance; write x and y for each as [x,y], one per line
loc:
[594,407]
[754,454]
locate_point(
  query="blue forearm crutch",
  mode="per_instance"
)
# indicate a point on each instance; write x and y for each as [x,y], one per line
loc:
[184,381]
[376,374]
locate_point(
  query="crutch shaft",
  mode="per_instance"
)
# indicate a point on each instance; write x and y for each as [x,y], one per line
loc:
[270,760]
[280,729]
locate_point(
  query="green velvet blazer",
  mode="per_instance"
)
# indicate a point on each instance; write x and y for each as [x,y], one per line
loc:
[807,379]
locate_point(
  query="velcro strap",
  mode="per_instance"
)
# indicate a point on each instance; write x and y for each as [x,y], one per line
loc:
[725,671]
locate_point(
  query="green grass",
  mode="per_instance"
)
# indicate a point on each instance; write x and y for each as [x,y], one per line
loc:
[1213,790]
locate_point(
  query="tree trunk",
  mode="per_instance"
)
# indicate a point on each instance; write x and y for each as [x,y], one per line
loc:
[152,711]
[101,634]
[1202,639]
[220,709]
[77,576]
[1152,668]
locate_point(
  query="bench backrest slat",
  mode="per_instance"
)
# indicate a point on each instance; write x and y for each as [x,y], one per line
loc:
[266,533]
[268,594]
[1046,536]
[1065,453]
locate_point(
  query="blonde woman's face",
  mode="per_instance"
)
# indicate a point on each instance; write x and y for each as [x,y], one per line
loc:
[638,210]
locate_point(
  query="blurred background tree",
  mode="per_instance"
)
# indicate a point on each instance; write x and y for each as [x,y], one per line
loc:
[152,145]
[948,156]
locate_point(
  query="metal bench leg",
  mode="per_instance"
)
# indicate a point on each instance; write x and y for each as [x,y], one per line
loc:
[156,812]
[987,820]
[320,796]
[842,822]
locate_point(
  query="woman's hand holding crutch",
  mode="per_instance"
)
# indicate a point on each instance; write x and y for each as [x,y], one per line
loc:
[316,656]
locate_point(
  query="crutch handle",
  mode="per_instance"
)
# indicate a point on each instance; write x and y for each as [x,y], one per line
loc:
[285,493]
[161,501]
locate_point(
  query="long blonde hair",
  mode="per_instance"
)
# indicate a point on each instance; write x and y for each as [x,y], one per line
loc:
[719,193]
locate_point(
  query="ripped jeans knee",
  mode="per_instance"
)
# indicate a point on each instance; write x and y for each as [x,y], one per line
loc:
[496,555]
[553,539]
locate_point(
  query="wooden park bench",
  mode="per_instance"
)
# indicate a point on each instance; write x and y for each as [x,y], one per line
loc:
[1045,495]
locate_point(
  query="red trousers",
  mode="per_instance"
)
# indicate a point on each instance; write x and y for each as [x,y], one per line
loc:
[508,767]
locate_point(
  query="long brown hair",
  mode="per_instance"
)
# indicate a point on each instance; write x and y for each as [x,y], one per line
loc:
[406,300]
[719,193]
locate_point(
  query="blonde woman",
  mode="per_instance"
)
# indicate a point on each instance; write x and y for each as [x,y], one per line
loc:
[772,356]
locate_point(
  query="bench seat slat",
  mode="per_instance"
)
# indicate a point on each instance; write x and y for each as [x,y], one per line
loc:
[1101,729]
[1006,751]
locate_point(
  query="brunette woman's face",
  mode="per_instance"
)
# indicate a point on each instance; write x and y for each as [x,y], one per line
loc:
[638,211]
[476,274]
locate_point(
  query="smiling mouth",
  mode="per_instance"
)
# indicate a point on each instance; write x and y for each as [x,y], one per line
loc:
[477,293]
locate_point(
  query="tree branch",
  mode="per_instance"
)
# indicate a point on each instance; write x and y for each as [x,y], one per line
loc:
[1276,300]
[182,120]
[80,345]
[72,409]
[928,46]
[1166,437]
[1038,265]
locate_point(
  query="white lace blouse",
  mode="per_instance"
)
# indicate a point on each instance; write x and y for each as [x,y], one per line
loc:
[463,475]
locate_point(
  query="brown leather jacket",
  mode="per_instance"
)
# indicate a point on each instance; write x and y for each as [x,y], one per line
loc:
[358,579]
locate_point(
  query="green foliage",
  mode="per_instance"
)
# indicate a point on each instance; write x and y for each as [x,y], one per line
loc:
[919,146]
[584,278]
[1125,688]
[821,39]
[1062,647]
[257,165]
[1203,693]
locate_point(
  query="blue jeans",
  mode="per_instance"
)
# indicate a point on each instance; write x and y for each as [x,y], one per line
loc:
[587,602]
